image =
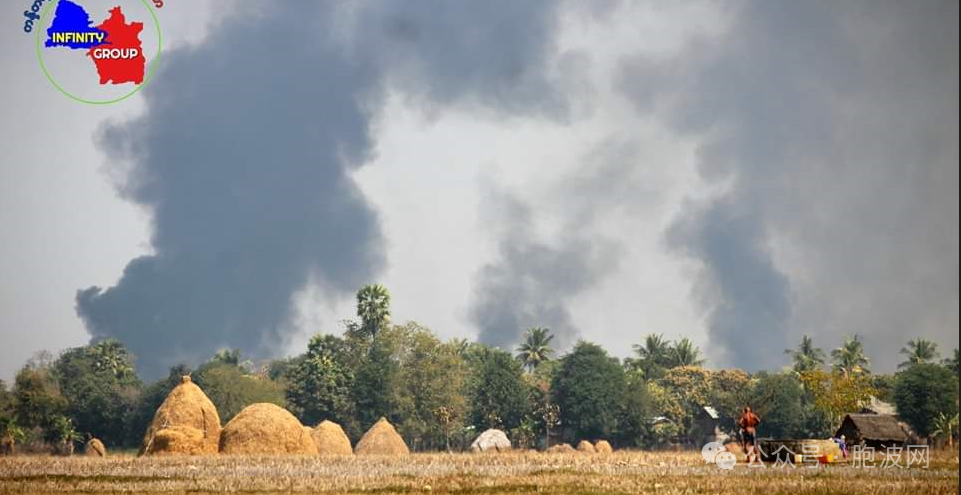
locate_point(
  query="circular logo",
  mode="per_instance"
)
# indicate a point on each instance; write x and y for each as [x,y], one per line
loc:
[98,51]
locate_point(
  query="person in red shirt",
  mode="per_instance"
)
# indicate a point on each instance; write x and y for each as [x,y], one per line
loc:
[748,422]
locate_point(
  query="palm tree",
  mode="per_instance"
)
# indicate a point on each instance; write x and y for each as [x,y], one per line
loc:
[806,357]
[850,359]
[945,426]
[685,353]
[652,356]
[373,308]
[919,351]
[536,347]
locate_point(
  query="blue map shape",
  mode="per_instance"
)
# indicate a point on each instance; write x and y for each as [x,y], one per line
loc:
[72,18]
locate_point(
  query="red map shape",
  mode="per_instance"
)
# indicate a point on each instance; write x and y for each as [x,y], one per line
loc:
[123,36]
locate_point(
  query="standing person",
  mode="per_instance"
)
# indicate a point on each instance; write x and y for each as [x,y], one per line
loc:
[748,422]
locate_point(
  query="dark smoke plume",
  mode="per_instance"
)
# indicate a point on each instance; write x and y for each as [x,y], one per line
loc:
[833,128]
[244,154]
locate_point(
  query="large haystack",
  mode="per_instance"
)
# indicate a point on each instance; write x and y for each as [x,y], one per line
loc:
[381,439]
[603,447]
[331,439]
[266,429]
[492,440]
[186,423]
[563,448]
[586,447]
[95,448]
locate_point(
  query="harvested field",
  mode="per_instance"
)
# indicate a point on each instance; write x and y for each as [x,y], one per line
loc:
[617,473]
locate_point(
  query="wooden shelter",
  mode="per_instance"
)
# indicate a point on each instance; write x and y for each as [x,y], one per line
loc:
[873,430]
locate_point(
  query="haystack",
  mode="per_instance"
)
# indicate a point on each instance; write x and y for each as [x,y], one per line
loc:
[95,448]
[381,439]
[186,423]
[331,439]
[493,440]
[603,447]
[563,448]
[586,447]
[266,429]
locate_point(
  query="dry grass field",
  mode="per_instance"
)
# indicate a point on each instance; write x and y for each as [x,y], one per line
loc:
[618,473]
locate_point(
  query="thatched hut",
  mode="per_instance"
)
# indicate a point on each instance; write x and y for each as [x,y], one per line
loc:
[381,439]
[603,447]
[266,429]
[873,430]
[491,440]
[186,423]
[95,448]
[331,439]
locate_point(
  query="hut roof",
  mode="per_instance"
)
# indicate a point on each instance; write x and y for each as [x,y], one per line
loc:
[876,426]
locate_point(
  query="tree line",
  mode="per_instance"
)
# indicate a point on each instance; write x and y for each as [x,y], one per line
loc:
[440,395]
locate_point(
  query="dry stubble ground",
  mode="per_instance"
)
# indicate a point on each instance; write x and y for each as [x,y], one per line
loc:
[622,472]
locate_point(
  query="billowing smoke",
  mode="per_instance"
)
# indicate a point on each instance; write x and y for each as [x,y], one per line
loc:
[535,277]
[834,129]
[245,152]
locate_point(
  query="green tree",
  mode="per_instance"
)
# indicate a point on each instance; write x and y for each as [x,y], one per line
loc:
[37,397]
[373,308]
[837,392]
[432,378]
[684,353]
[319,386]
[536,348]
[690,387]
[634,428]
[376,382]
[952,363]
[653,356]
[498,395]
[730,391]
[945,427]
[777,400]
[850,358]
[806,357]
[100,388]
[589,388]
[919,351]
[922,393]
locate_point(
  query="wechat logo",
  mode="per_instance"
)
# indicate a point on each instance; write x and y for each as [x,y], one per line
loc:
[715,453]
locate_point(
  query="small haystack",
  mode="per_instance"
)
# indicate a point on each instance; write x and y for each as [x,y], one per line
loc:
[603,447]
[331,439]
[381,439]
[586,447]
[563,448]
[266,429]
[95,448]
[186,423]
[492,440]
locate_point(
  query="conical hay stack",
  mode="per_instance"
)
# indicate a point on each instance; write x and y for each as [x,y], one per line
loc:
[95,448]
[603,447]
[331,439]
[381,439]
[266,429]
[585,447]
[186,407]
[563,448]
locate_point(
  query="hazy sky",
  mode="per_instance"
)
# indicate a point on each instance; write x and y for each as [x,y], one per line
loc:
[738,173]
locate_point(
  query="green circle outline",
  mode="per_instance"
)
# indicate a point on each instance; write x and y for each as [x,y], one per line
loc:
[147,77]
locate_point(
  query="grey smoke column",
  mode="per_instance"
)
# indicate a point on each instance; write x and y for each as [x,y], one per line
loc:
[834,129]
[244,152]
